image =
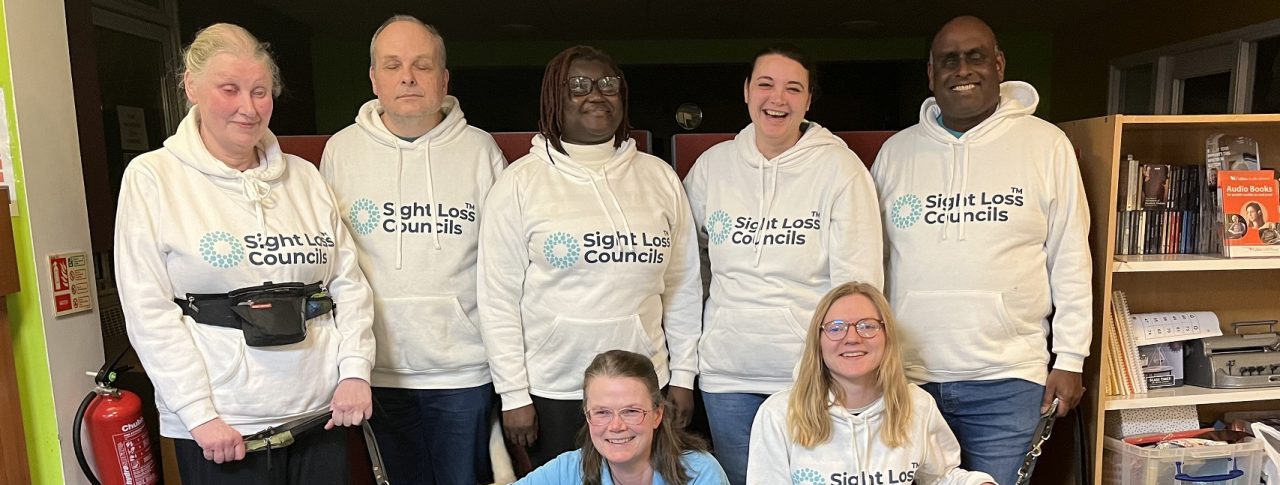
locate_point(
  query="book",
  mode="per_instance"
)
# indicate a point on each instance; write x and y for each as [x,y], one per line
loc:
[1155,185]
[1250,213]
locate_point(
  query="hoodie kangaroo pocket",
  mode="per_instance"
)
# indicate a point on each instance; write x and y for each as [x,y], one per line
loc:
[557,363]
[425,334]
[958,332]
[221,349]
[751,343]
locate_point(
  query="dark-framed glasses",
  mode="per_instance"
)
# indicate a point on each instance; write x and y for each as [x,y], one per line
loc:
[838,329]
[582,85]
[604,416]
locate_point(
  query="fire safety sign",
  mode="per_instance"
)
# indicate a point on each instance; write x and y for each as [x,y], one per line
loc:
[69,275]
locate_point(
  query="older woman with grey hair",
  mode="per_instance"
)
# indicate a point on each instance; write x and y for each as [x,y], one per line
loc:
[202,224]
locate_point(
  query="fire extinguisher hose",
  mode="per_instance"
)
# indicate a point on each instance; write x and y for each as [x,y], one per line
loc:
[75,441]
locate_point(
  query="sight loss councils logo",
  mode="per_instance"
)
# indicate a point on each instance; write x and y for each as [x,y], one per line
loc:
[806,476]
[364,216]
[221,250]
[718,226]
[906,211]
[561,250]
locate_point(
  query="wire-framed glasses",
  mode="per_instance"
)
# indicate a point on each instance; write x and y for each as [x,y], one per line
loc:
[604,416]
[838,329]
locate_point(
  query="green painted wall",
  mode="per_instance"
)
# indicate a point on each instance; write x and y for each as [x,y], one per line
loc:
[341,66]
[40,425]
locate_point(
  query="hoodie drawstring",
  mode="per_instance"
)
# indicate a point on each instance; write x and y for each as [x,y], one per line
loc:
[765,207]
[964,184]
[431,198]
[399,197]
[259,194]
[626,241]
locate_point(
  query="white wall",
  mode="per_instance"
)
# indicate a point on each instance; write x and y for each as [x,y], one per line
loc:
[41,69]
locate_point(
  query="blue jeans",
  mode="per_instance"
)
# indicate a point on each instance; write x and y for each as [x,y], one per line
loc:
[730,415]
[992,420]
[434,436]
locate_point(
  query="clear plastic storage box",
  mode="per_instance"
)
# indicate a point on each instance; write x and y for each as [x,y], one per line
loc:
[1126,464]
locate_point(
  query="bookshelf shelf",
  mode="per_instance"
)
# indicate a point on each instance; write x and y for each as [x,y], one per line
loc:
[1188,262]
[1190,395]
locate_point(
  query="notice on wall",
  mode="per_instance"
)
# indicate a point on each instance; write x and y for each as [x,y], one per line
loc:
[69,278]
[6,157]
[133,128]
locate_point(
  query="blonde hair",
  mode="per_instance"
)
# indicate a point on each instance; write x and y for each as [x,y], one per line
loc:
[224,38]
[807,418]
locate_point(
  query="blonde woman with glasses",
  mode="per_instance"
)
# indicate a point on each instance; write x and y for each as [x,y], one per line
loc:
[852,417]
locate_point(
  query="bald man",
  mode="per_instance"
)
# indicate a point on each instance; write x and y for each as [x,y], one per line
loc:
[987,229]
[410,177]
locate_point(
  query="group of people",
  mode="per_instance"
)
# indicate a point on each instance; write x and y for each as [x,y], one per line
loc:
[588,287]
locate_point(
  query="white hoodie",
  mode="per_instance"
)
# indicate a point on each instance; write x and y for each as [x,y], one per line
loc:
[987,236]
[188,223]
[414,210]
[575,261]
[821,228]
[856,453]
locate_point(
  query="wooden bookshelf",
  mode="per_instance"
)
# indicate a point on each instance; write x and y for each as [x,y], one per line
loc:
[1234,289]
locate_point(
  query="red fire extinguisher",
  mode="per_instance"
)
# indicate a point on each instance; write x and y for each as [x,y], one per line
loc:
[121,444]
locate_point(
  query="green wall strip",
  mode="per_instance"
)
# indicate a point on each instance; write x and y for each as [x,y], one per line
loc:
[40,424]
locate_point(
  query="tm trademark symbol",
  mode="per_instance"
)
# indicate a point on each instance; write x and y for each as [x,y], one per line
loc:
[1015,190]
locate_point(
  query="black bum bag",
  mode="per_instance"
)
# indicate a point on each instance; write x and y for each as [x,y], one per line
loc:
[269,314]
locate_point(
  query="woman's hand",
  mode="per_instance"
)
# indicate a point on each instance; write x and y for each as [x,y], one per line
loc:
[352,403]
[221,443]
[521,425]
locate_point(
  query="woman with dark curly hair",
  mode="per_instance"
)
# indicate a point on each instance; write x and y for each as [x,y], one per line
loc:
[585,244]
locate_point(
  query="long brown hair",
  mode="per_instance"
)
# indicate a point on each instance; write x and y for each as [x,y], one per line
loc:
[555,89]
[807,418]
[669,443]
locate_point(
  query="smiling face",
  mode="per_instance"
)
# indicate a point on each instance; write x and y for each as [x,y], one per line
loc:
[965,72]
[777,95]
[233,97]
[622,445]
[408,74]
[594,118]
[853,361]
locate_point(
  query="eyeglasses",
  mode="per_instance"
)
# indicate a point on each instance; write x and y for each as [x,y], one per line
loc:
[581,85]
[838,329]
[604,416]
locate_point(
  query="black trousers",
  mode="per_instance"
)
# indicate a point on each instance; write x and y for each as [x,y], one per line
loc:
[558,425]
[316,457]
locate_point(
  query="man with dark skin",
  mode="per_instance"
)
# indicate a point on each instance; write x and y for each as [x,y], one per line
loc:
[975,305]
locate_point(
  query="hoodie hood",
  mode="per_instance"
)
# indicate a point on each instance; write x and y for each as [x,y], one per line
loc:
[454,123]
[815,136]
[1017,100]
[253,185]
[451,127]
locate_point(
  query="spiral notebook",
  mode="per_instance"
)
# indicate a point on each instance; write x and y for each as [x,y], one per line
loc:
[1124,344]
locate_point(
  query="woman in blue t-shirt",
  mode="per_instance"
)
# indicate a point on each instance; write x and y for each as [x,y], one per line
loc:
[627,438]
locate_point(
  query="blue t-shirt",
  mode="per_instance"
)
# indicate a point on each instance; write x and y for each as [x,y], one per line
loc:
[949,130]
[567,468]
